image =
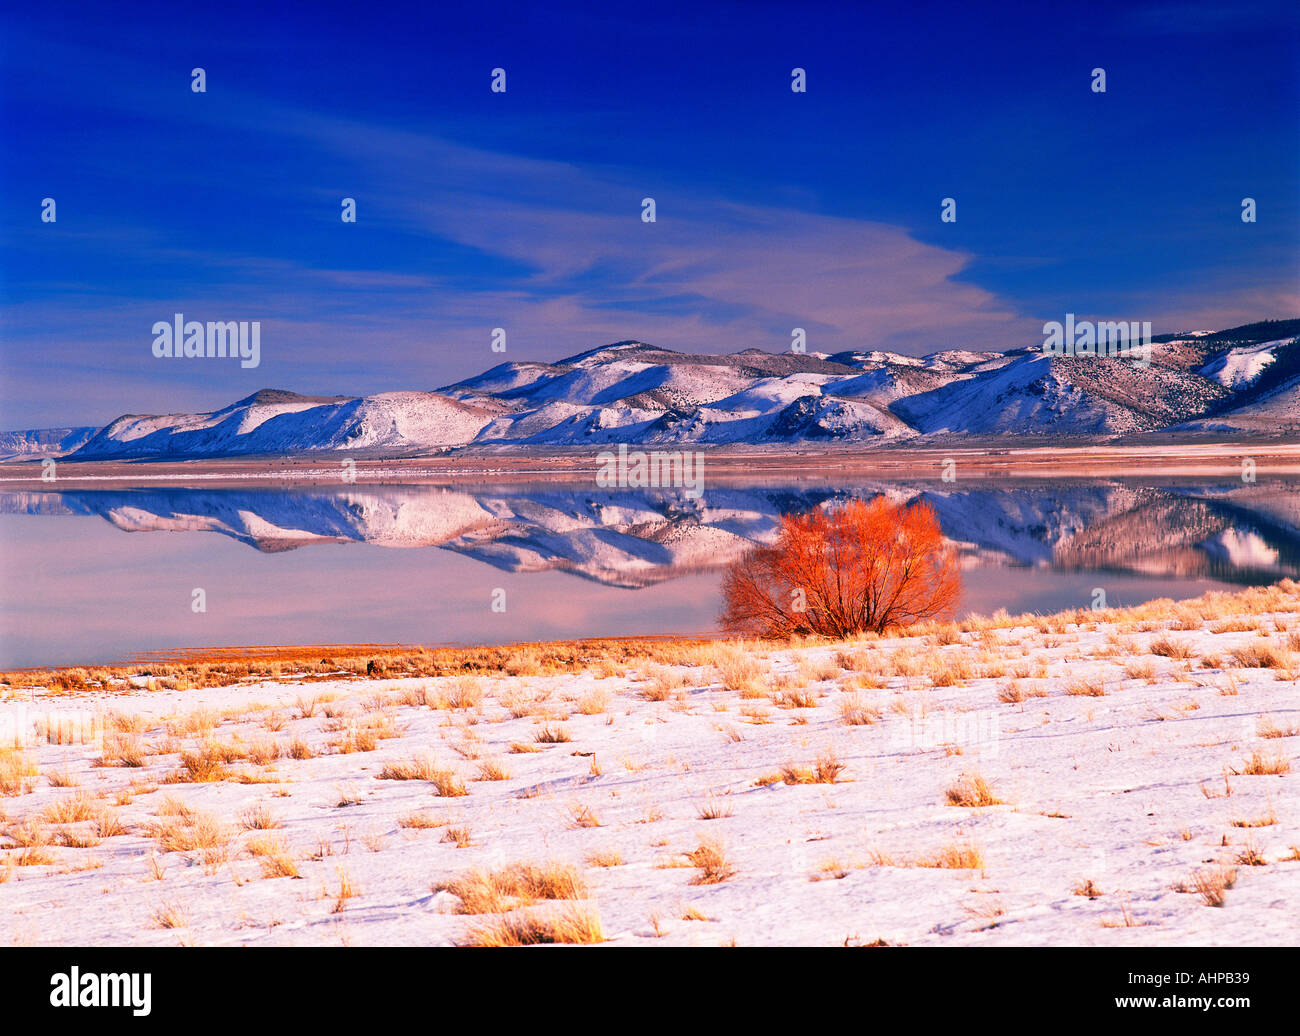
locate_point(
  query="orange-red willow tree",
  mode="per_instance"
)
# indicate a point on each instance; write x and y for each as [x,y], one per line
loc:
[865,566]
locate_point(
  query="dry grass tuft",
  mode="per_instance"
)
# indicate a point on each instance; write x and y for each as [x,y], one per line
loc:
[122,749]
[419,821]
[1212,883]
[948,670]
[171,915]
[1017,690]
[16,771]
[711,859]
[187,831]
[492,770]
[107,824]
[818,670]
[1086,687]
[855,712]
[348,889]
[520,884]
[594,702]
[465,692]
[1170,647]
[1250,856]
[576,924]
[662,682]
[274,857]
[447,784]
[257,818]
[737,669]
[958,856]
[714,808]
[1263,820]
[826,770]
[971,790]
[417,768]
[1261,656]
[1266,727]
[263,752]
[299,749]
[1236,625]
[28,835]
[207,763]
[1261,764]
[72,809]
[795,698]
[1139,669]
[582,816]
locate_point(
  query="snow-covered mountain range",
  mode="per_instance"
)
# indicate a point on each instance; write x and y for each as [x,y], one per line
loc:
[1242,381]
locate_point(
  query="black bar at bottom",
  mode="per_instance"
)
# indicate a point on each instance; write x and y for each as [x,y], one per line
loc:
[337,985]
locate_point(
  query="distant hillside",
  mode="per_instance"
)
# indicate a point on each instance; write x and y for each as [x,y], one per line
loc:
[1243,381]
[46,442]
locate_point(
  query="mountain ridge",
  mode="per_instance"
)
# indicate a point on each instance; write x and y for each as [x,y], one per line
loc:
[1240,381]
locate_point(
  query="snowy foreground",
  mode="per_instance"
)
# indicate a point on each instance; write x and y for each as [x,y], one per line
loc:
[823,785]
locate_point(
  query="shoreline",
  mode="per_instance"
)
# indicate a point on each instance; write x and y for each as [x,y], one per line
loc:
[723,464]
[199,666]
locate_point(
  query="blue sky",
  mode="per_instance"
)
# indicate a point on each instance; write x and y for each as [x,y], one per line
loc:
[522,210]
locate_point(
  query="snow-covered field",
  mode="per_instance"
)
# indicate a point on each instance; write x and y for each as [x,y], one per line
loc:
[1119,752]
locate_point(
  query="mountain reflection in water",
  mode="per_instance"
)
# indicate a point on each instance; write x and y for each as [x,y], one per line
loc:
[1160,539]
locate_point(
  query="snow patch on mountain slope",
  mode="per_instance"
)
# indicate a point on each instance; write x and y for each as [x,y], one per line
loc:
[1030,394]
[1238,368]
[412,419]
[501,379]
[886,383]
[957,359]
[875,357]
[769,394]
[1037,394]
[593,384]
[592,425]
[822,418]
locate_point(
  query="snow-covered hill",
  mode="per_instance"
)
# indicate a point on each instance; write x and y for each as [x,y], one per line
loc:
[277,422]
[45,442]
[1245,380]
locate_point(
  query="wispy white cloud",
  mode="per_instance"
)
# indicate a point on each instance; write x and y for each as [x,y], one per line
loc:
[708,274]
[553,251]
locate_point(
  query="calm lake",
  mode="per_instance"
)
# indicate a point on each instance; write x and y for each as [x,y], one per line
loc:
[108,575]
